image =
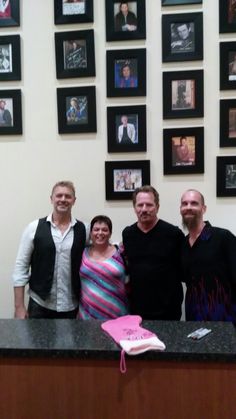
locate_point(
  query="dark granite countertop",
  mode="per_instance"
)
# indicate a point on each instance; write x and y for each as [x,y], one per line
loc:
[85,340]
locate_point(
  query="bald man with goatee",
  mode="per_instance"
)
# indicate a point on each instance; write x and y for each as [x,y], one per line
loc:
[209,264]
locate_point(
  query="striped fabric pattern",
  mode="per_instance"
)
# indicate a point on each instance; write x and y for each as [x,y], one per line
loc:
[103,294]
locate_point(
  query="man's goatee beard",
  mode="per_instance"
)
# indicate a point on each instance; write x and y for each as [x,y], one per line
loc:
[189,224]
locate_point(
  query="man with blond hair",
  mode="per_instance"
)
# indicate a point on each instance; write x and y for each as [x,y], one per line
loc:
[49,259]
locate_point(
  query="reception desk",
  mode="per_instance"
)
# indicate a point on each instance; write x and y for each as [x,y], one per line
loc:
[69,369]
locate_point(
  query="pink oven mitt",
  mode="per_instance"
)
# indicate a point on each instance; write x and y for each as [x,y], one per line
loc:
[132,338]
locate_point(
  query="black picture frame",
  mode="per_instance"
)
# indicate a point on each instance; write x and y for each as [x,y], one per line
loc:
[227,65]
[123,177]
[11,15]
[183,94]
[182,37]
[10,102]
[72,12]
[226,176]
[117,117]
[131,61]
[10,58]
[228,123]
[135,26]
[227,16]
[80,120]
[183,150]
[75,54]
[179,2]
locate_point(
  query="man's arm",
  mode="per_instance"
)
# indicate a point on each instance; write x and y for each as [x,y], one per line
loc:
[229,252]
[132,133]
[20,309]
[120,133]
[22,269]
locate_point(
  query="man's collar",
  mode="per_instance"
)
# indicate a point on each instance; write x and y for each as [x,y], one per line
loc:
[72,221]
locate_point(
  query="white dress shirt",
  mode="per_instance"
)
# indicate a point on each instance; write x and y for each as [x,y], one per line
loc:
[61,297]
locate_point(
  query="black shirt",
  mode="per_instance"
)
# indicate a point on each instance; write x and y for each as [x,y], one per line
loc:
[154,268]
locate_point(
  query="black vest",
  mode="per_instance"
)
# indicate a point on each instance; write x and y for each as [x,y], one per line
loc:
[43,258]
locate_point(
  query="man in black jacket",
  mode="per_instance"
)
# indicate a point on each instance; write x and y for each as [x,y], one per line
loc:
[49,258]
[125,20]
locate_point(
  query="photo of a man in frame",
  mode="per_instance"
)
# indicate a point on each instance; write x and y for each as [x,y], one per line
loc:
[75,54]
[230,176]
[73,7]
[232,65]
[77,110]
[6,112]
[231,11]
[183,151]
[5,58]
[127,129]
[232,123]
[125,16]
[182,37]
[183,94]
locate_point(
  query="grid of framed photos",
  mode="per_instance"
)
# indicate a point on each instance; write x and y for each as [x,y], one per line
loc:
[10,69]
[126,77]
[75,59]
[226,165]
[183,90]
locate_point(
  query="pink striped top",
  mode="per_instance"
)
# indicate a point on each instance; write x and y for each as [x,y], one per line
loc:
[103,294]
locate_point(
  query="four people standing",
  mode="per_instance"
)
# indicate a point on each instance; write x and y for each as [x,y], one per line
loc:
[63,275]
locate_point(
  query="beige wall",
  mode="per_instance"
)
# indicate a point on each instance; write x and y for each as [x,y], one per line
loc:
[31,163]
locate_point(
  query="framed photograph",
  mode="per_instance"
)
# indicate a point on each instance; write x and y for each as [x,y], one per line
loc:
[76,109]
[227,16]
[126,129]
[227,65]
[73,11]
[125,20]
[75,54]
[10,112]
[228,123]
[9,13]
[179,2]
[183,94]
[226,176]
[123,177]
[183,150]
[10,65]
[182,37]
[126,72]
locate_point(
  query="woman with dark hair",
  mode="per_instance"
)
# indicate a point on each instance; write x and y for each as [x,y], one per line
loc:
[102,275]
[127,79]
